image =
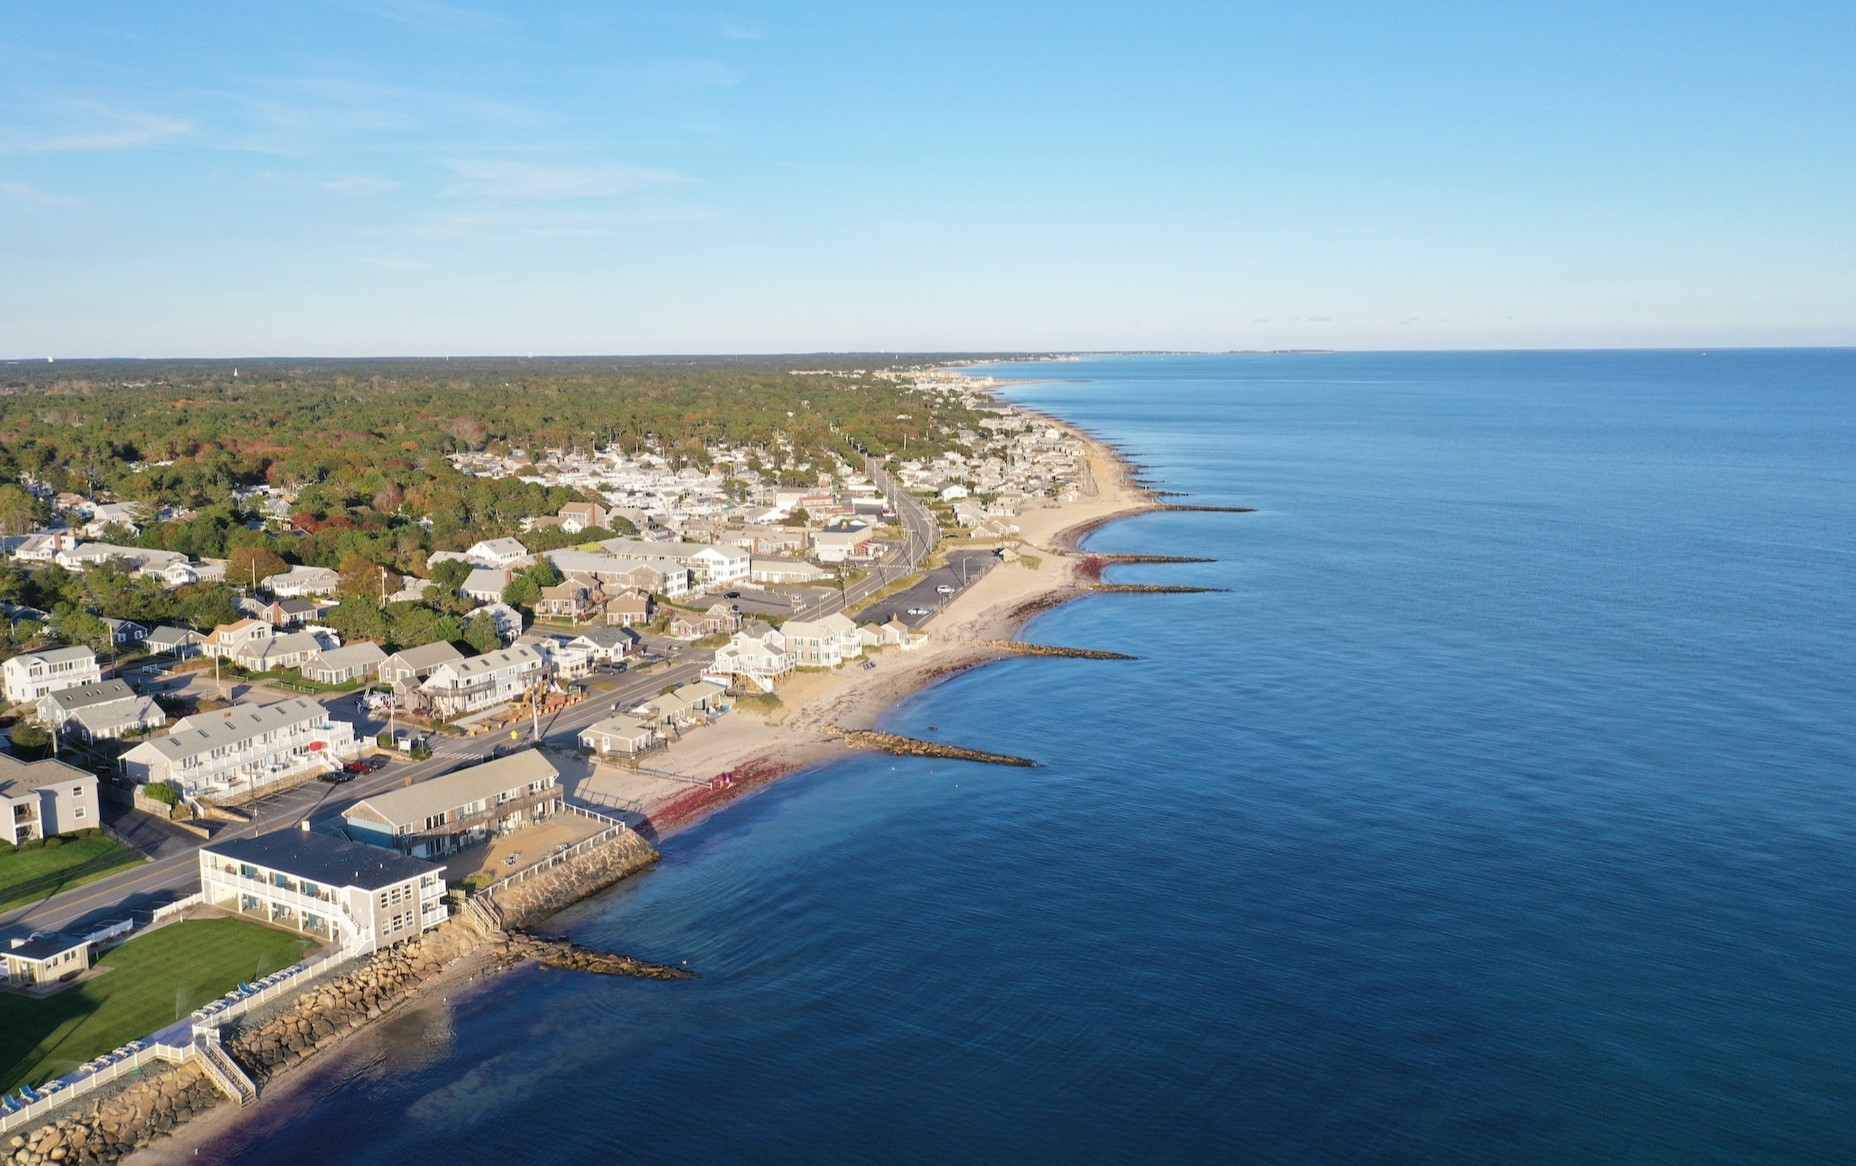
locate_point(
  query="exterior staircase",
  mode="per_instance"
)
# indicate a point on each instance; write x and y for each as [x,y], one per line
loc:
[221,1069]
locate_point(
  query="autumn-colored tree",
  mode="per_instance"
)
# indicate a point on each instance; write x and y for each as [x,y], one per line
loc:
[248,566]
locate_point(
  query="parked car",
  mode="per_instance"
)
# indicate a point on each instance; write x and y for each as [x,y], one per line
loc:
[731,595]
[946,588]
[355,767]
[918,611]
[374,761]
[339,777]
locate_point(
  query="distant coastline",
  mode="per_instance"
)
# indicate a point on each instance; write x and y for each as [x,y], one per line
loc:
[810,732]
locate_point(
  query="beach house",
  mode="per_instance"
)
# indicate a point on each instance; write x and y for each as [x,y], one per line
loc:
[335,890]
[477,682]
[30,675]
[444,814]
[106,710]
[244,748]
[41,799]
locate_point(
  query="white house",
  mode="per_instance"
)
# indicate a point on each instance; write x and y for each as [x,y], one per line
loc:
[31,675]
[412,665]
[622,735]
[485,584]
[340,665]
[300,581]
[500,552]
[246,747]
[444,814]
[40,799]
[837,546]
[712,565]
[336,890]
[464,686]
[106,710]
[822,643]
[757,657]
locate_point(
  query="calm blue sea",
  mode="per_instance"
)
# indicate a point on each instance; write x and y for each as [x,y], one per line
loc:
[1502,810]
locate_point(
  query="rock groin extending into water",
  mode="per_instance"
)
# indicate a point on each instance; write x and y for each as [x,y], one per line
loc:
[1015,648]
[1116,560]
[1187,508]
[901,746]
[112,1125]
[1148,589]
[558,952]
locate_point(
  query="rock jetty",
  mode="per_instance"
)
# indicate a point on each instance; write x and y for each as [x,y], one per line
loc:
[1185,508]
[902,746]
[266,1043]
[1015,648]
[555,952]
[1148,589]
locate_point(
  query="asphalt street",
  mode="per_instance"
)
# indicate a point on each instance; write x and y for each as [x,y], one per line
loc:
[174,871]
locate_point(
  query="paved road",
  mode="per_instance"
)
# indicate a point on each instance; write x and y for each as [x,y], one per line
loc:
[174,873]
[964,568]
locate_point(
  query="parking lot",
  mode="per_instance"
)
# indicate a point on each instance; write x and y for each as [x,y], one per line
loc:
[925,599]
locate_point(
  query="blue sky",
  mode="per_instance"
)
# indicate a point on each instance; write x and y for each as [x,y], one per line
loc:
[370,177]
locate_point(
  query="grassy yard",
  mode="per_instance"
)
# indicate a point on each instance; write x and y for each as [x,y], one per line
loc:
[26,876]
[156,980]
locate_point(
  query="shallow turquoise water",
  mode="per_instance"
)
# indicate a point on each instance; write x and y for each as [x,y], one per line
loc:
[1500,811]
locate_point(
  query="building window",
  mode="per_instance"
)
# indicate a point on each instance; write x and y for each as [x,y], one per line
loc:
[79,813]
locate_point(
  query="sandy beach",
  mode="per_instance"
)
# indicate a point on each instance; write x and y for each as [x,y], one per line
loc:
[801,734]
[803,731]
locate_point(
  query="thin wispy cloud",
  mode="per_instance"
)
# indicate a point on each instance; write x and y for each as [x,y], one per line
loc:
[507,178]
[357,184]
[548,223]
[97,127]
[434,16]
[30,195]
[694,71]
[743,30]
[346,184]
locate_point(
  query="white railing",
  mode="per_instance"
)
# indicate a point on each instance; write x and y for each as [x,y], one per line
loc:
[127,1059]
[561,856]
[176,907]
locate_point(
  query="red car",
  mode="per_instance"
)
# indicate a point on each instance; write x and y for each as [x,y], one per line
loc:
[355,767]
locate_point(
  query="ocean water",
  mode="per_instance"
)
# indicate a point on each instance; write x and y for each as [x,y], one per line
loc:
[1502,809]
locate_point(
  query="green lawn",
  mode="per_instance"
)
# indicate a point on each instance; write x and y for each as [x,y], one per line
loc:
[26,876]
[156,979]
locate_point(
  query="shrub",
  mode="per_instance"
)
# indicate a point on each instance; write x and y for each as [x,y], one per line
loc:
[161,791]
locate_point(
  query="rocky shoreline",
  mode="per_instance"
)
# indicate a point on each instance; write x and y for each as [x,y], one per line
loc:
[482,939]
[488,937]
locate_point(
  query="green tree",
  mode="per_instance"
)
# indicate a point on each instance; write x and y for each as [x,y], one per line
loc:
[481,633]
[81,627]
[31,742]
[20,512]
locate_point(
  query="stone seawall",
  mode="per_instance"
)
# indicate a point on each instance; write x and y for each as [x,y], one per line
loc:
[267,1042]
[532,900]
[119,1124]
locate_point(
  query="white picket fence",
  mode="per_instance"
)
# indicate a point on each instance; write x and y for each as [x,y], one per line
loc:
[90,1082]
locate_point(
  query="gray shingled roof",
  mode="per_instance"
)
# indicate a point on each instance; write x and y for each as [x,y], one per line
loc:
[413,804]
[321,858]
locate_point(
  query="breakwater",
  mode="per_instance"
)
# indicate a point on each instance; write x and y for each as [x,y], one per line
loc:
[267,1043]
[1186,508]
[901,746]
[1148,589]
[1116,559]
[1016,648]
